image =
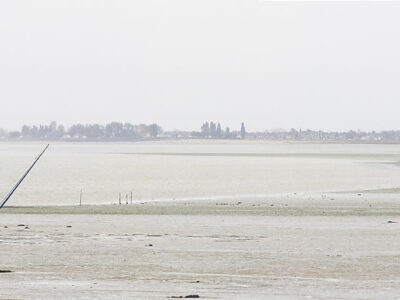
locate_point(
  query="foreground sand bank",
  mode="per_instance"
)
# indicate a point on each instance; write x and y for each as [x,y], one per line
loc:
[326,249]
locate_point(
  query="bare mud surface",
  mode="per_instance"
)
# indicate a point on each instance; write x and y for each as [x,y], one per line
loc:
[247,250]
[237,220]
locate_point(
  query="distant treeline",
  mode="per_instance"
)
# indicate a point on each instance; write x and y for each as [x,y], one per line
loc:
[116,131]
[92,132]
[215,131]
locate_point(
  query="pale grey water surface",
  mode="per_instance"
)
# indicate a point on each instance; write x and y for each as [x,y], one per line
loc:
[175,170]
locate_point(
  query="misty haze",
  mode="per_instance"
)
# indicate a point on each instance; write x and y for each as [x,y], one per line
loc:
[237,149]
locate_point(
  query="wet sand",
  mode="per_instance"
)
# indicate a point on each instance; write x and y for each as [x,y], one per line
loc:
[336,246]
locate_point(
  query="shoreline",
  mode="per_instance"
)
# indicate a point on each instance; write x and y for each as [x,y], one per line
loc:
[208,140]
[318,208]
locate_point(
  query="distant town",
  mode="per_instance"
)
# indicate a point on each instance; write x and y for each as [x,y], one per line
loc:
[116,131]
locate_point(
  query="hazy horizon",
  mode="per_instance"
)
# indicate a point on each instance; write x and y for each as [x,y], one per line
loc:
[232,127]
[331,66]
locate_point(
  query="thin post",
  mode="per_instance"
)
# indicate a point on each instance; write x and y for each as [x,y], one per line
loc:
[22,178]
[119,198]
[126,199]
[131,197]
[80,198]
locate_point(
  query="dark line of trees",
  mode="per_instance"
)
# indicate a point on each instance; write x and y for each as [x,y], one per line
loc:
[214,130]
[116,131]
[111,131]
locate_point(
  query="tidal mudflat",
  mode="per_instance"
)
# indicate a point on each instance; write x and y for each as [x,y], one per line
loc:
[202,170]
[220,236]
[247,250]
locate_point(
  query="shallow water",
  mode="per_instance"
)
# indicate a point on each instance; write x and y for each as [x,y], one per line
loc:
[241,169]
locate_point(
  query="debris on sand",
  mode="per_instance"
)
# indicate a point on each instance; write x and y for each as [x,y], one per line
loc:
[21,225]
[69,226]
[392,222]
[185,297]
[5,271]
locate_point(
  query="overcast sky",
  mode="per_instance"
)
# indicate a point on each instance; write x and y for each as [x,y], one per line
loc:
[330,65]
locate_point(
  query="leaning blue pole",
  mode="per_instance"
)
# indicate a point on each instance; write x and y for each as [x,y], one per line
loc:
[22,178]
